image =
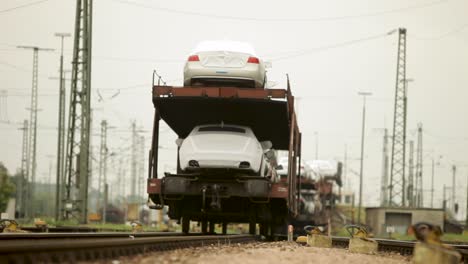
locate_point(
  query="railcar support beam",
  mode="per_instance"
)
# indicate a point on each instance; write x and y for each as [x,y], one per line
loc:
[155,144]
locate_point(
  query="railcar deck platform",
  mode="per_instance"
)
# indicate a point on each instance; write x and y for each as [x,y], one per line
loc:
[265,111]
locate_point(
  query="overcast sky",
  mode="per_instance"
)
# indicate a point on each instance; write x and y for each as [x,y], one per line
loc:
[330,49]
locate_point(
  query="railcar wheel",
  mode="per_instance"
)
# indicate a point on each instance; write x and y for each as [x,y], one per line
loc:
[264,230]
[185,225]
[204,226]
[252,226]
[212,227]
[224,228]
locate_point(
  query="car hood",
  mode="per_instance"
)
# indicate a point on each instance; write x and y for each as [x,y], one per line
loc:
[218,143]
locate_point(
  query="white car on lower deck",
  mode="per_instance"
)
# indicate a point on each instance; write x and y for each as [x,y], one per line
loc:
[220,146]
[224,63]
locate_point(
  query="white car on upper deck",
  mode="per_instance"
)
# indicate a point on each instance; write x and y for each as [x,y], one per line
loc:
[225,63]
[220,146]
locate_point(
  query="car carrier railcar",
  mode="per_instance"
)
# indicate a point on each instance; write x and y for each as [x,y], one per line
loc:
[219,196]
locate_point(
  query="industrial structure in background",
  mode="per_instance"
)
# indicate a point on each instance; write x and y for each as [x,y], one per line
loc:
[385,159]
[418,198]
[397,169]
[31,161]
[22,180]
[411,191]
[102,180]
[74,195]
[61,129]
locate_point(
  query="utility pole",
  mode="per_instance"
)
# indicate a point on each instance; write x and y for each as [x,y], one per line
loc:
[397,169]
[345,168]
[32,142]
[432,183]
[141,171]
[384,183]
[419,169]
[363,94]
[22,181]
[134,162]
[444,201]
[411,195]
[102,181]
[454,172]
[79,121]
[61,131]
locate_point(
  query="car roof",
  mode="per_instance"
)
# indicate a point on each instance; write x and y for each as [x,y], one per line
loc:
[224,45]
[221,125]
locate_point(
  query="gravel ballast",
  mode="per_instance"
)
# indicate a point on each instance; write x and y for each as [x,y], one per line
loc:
[276,252]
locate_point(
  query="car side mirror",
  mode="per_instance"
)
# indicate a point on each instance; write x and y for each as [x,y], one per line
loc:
[179,142]
[267,64]
[266,144]
[279,167]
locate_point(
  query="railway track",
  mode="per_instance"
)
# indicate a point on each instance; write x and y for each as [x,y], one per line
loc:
[72,247]
[398,246]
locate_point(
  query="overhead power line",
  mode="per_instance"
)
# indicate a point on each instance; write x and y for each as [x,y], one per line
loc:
[317,19]
[444,35]
[23,6]
[333,46]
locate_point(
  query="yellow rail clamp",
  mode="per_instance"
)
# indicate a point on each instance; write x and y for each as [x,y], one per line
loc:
[317,238]
[10,226]
[301,239]
[360,241]
[137,227]
[41,224]
[426,253]
[430,248]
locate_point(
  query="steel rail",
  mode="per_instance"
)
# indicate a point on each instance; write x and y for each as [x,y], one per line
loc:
[69,250]
[98,235]
[399,246]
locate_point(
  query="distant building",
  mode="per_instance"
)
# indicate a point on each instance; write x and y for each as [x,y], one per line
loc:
[383,220]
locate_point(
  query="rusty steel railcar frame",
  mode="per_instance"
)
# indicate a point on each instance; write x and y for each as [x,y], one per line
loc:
[182,108]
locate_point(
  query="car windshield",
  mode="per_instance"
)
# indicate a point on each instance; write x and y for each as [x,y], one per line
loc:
[221,129]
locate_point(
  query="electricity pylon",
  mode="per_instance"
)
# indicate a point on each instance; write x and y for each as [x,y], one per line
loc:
[61,131]
[32,142]
[77,167]
[384,180]
[411,187]
[22,181]
[397,170]
[102,181]
[141,168]
[133,167]
[419,169]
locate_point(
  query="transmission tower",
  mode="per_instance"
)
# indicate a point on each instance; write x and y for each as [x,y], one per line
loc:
[454,177]
[22,180]
[397,170]
[75,201]
[141,167]
[419,168]
[411,192]
[384,183]
[102,181]
[134,161]
[32,141]
[61,131]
